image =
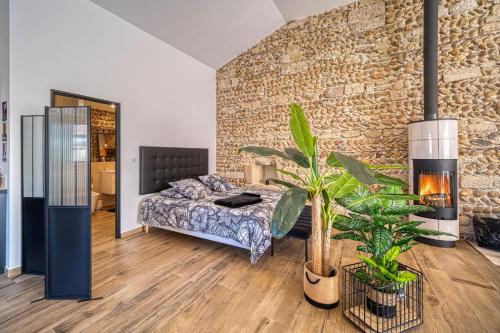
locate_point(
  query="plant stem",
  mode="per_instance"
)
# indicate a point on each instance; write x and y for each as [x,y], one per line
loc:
[327,233]
[317,235]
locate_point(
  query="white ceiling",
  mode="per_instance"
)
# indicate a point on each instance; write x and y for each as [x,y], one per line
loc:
[294,9]
[214,31]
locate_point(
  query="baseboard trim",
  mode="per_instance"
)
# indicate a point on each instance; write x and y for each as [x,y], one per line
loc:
[132,232]
[13,272]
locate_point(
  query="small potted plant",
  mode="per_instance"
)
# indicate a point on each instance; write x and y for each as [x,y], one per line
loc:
[378,219]
[321,187]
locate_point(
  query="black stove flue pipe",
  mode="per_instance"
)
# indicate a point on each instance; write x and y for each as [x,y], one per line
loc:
[431,59]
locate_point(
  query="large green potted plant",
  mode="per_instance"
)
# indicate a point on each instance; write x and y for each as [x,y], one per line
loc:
[378,219]
[340,176]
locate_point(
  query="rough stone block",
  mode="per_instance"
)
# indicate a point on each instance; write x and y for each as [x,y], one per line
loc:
[461,74]
[350,134]
[462,6]
[491,27]
[293,53]
[480,182]
[355,88]
[373,133]
[482,126]
[367,16]
[397,95]
[334,92]
[442,11]
[234,174]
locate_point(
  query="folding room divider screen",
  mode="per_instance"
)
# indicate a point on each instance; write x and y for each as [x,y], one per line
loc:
[67,210]
[32,194]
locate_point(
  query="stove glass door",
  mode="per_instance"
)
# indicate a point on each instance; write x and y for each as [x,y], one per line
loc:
[436,188]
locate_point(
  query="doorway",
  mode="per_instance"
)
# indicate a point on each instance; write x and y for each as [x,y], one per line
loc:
[104,162]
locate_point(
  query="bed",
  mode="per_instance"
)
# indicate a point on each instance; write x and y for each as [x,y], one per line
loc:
[247,227]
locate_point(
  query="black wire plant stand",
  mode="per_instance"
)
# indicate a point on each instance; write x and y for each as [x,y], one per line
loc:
[392,308]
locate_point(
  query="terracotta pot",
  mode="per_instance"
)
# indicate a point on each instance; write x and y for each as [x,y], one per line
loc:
[321,291]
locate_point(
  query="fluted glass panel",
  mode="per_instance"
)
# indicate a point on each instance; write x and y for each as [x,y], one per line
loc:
[33,156]
[68,157]
[38,156]
[81,155]
[27,156]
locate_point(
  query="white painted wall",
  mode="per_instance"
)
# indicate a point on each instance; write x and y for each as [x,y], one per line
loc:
[4,62]
[167,97]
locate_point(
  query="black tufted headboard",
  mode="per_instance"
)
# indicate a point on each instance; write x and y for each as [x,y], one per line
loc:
[160,165]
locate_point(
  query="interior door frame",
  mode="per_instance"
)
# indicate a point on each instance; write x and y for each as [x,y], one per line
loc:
[53,93]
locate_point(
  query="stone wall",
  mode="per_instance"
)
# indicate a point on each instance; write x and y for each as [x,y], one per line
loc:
[357,71]
[103,122]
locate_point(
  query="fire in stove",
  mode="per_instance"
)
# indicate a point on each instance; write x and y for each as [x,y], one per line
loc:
[435,189]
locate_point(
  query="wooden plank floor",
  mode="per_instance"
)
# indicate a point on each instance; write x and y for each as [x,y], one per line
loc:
[167,282]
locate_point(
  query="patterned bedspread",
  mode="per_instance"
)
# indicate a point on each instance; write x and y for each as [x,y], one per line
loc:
[249,225]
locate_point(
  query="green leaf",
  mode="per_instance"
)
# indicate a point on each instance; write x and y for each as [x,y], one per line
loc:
[378,271]
[397,197]
[291,174]
[403,241]
[354,203]
[431,232]
[392,254]
[364,248]
[301,132]
[405,276]
[314,157]
[408,246]
[389,219]
[386,166]
[388,180]
[297,156]
[405,210]
[368,261]
[381,241]
[353,222]
[391,189]
[263,151]
[363,276]
[356,168]
[331,178]
[287,211]
[284,183]
[389,197]
[407,225]
[342,186]
[393,266]
[348,235]
[382,277]
[332,161]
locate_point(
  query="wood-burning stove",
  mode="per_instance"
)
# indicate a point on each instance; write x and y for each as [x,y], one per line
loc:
[435,181]
[433,154]
[433,147]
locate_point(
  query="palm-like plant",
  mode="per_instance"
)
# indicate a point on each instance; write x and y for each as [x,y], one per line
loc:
[380,222]
[323,189]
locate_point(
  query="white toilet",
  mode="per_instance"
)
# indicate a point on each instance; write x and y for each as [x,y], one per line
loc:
[95,197]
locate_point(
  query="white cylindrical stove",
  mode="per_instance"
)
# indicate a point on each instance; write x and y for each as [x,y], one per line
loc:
[433,175]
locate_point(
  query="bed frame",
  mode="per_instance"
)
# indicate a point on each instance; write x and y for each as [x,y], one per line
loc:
[161,165]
